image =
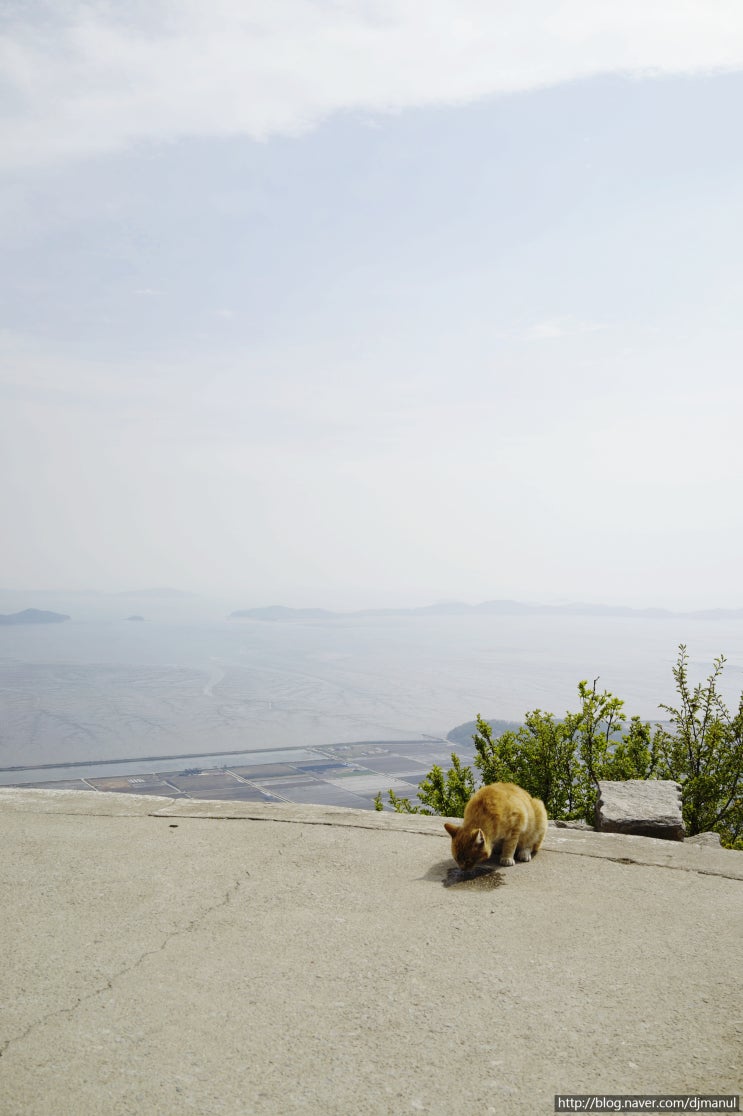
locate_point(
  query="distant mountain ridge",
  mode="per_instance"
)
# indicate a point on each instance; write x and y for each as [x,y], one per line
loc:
[493,608]
[32,616]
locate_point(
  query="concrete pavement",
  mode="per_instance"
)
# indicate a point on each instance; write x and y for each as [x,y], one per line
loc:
[168,957]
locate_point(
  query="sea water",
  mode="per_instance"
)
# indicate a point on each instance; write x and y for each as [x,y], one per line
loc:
[96,690]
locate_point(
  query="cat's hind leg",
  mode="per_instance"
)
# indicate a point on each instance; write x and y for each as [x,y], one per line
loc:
[540,824]
[510,841]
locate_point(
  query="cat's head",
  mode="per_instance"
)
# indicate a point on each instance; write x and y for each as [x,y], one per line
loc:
[468,846]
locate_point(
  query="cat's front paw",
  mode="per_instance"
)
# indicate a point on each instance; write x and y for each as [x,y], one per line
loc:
[524,855]
[506,862]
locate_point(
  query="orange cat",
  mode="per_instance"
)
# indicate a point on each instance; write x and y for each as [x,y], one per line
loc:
[503,816]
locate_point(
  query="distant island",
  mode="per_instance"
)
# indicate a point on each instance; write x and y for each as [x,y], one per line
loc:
[137,618]
[32,616]
[462,734]
[492,608]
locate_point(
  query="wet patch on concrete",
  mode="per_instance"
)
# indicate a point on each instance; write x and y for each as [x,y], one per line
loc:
[483,877]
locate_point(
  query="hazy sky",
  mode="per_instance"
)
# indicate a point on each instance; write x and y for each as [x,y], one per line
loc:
[373,301]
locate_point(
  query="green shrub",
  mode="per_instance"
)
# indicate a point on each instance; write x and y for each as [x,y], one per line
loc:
[562,760]
[704,753]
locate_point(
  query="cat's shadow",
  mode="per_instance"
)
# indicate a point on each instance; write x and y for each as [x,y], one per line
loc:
[483,877]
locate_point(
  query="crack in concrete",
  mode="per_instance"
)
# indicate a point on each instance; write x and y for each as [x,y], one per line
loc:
[645,863]
[297,821]
[130,968]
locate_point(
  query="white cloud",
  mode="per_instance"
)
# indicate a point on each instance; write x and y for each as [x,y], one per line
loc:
[84,77]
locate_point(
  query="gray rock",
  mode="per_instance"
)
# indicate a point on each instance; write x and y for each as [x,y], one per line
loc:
[712,840]
[559,824]
[647,808]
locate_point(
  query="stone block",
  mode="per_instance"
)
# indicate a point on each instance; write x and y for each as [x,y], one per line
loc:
[644,807]
[709,840]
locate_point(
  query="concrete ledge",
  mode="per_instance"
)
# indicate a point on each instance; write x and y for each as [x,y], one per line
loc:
[619,847]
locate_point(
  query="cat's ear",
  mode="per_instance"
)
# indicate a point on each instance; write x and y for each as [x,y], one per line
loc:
[479,839]
[452,829]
